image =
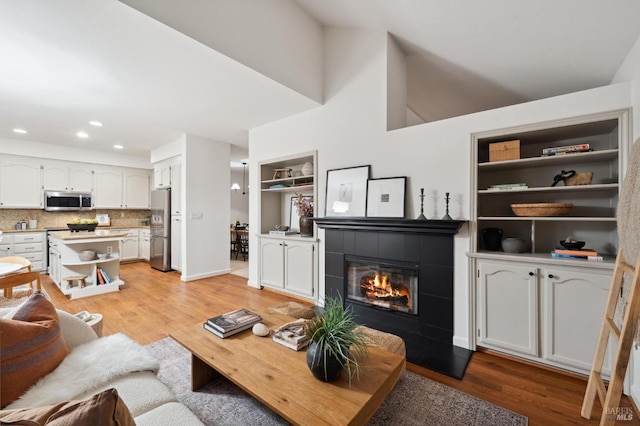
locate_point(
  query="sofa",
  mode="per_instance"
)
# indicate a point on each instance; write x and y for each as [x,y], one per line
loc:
[91,366]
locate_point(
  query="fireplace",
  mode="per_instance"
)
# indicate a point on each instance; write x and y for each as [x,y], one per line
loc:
[382,283]
[413,296]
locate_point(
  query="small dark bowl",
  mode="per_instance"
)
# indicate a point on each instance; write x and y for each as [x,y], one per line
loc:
[575,245]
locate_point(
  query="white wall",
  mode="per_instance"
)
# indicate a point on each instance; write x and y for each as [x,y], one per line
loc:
[350,130]
[396,85]
[205,165]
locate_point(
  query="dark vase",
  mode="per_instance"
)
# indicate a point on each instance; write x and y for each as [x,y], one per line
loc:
[306,226]
[328,369]
[492,238]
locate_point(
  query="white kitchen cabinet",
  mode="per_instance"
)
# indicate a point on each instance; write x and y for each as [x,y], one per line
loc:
[162,175]
[508,307]
[288,264]
[6,245]
[107,193]
[64,176]
[54,260]
[574,302]
[176,243]
[32,246]
[136,190]
[176,188]
[543,312]
[21,184]
[144,244]
[128,247]
[121,189]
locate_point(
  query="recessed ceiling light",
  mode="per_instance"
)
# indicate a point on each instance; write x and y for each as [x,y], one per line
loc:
[118,147]
[82,135]
[21,131]
[96,123]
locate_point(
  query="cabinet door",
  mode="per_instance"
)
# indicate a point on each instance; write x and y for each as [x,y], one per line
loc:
[299,267]
[176,193]
[574,304]
[136,190]
[56,177]
[508,307]
[108,189]
[271,263]
[20,185]
[129,249]
[162,176]
[81,179]
[176,243]
[144,245]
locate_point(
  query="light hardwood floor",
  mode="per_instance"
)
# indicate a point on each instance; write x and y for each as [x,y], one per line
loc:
[153,303]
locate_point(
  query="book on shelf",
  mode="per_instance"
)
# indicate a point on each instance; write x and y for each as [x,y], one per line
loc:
[223,335]
[100,277]
[507,186]
[292,335]
[582,147]
[105,276]
[280,233]
[233,320]
[568,256]
[576,253]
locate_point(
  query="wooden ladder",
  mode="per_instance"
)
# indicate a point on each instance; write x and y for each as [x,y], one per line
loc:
[610,396]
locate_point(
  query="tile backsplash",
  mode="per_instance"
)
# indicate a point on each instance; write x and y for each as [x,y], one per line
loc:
[119,218]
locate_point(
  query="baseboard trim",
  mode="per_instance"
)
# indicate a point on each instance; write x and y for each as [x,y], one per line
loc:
[461,342]
[206,275]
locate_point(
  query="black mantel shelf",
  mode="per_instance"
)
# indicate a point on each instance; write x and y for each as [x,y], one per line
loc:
[385,224]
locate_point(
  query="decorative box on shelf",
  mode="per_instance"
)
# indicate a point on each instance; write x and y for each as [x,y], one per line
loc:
[501,151]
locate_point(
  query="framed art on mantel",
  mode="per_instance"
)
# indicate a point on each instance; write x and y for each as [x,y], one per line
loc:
[386,197]
[347,192]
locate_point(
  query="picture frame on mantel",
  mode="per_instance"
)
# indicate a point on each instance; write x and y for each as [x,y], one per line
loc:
[347,192]
[386,197]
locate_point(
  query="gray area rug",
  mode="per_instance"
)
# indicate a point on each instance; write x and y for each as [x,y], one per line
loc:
[415,400]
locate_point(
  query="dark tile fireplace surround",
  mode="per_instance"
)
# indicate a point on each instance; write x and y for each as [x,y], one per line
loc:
[427,244]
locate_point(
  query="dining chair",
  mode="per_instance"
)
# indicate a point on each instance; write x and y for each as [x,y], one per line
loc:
[26,267]
[8,282]
[242,243]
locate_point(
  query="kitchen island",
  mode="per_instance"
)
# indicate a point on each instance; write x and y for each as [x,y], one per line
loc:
[76,277]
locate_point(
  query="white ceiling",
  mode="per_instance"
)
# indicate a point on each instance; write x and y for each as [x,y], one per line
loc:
[65,62]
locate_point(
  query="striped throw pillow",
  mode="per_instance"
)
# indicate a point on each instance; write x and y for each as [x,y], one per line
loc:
[31,346]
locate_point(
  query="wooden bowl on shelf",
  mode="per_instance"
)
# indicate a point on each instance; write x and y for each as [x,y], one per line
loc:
[542,209]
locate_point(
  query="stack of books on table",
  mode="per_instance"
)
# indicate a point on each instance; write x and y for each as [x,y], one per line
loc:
[569,149]
[292,335]
[233,322]
[562,253]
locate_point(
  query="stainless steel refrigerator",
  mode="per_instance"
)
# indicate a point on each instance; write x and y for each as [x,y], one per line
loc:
[160,250]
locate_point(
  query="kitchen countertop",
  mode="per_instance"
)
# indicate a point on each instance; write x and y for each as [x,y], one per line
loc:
[98,233]
[99,228]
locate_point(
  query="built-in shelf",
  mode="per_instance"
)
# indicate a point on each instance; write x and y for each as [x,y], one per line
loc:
[557,160]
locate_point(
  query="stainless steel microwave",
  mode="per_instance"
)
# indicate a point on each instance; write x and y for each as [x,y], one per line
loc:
[67,201]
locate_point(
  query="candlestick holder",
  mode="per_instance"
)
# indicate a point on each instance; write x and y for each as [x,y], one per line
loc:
[446,216]
[422,216]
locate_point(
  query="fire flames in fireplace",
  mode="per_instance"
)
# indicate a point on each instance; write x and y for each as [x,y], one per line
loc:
[379,287]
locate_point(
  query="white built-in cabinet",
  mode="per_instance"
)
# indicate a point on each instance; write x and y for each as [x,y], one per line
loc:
[545,313]
[107,193]
[289,265]
[136,190]
[27,244]
[144,244]
[21,184]
[129,245]
[62,176]
[530,304]
[176,243]
[176,188]
[162,174]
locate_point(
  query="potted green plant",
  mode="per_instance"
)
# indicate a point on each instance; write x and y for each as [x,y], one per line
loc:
[336,342]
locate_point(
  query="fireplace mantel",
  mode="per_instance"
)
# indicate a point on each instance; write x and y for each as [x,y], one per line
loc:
[395,225]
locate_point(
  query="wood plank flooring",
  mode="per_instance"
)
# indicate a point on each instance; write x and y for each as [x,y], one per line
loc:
[153,303]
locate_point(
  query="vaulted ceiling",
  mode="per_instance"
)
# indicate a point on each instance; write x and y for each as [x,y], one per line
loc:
[150,70]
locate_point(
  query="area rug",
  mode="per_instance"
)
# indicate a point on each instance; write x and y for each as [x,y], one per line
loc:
[415,400]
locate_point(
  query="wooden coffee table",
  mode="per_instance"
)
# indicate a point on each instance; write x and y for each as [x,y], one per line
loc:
[279,377]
